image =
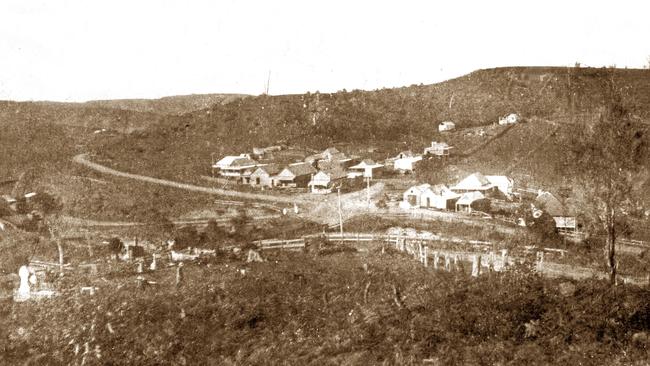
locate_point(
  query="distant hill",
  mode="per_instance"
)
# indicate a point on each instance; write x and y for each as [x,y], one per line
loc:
[409,114]
[144,133]
[179,104]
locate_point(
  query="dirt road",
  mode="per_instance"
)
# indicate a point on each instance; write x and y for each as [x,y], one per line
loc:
[83,160]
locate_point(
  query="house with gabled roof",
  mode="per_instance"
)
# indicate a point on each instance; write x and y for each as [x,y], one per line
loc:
[404,162]
[471,201]
[325,180]
[235,166]
[330,158]
[438,196]
[437,149]
[367,168]
[547,202]
[294,175]
[262,176]
[504,184]
[475,182]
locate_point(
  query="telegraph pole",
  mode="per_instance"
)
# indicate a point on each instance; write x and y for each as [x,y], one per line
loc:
[368,190]
[338,189]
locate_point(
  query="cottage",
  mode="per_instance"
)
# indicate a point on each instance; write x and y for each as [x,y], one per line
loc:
[323,181]
[471,201]
[294,175]
[475,182]
[446,126]
[237,166]
[504,184]
[330,158]
[547,202]
[262,176]
[510,119]
[406,164]
[425,195]
[437,149]
[367,169]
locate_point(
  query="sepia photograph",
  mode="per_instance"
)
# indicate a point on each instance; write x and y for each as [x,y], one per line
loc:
[324,183]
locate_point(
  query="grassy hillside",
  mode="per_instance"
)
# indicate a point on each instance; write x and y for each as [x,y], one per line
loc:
[399,117]
[302,309]
[179,104]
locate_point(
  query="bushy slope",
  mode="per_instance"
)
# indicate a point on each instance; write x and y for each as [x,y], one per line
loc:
[301,310]
[179,104]
[409,114]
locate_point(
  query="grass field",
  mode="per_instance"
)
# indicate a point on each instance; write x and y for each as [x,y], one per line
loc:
[319,310]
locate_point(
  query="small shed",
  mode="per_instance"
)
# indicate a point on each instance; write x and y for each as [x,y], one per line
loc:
[323,181]
[470,201]
[446,126]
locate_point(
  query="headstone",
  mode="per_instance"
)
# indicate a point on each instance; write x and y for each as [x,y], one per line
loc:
[254,256]
[435,260]
[179,274]
[476,265]
[540,260]
[153,266]
[295,208]
[140,268]
[504,258]
[23,292]
[284,211]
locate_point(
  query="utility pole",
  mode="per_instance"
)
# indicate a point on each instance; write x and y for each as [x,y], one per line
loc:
[338,189]
[368,190]
[212,165]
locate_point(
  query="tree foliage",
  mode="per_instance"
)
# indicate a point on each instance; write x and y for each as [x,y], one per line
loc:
[605,158]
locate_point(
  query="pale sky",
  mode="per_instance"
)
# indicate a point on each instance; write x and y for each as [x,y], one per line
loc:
[76,50]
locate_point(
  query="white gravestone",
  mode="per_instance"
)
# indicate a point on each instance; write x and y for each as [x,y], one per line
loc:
[23,292]
[153,265]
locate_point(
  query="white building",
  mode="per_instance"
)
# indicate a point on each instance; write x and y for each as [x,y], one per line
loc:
[510,119]
[466,201]
[235,166]
[407,163]
[426,195]
[437,149]
[446,126]
[365,169]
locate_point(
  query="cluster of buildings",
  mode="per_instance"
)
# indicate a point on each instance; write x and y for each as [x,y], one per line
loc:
[319,172]
[471,193]
[475,192]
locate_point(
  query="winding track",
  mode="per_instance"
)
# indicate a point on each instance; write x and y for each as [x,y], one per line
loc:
[83,160]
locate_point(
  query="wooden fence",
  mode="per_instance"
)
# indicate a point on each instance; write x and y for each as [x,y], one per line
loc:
[280,244]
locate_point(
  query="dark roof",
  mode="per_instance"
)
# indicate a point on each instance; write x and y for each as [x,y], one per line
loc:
[301,169]
[335,173]
[271,169]
[546,201]
[243,162]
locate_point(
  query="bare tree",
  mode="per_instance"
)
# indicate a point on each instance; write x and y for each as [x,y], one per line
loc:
[606,156]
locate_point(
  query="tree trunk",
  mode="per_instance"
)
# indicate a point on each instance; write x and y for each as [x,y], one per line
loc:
[59,247]
[611,245]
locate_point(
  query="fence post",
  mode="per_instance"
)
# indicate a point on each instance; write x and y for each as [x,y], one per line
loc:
[447,263]
[426,255]
[435,259]
[540,261]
